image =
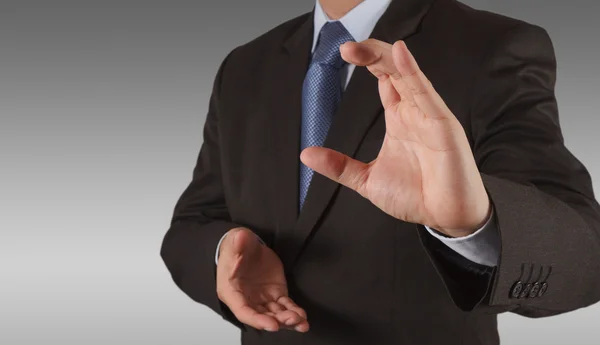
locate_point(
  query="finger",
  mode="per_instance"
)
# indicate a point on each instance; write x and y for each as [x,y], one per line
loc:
[388,94]
[228,247]
[374,54]
[243,241]
[417,83]
[239,243]
[290,305]
[302,327]
[261,309]
[257,320]
[408,68]
[378,58]
[286,317]
[337,167]
[237,251]
[289,318]
[239,306]
[274,307]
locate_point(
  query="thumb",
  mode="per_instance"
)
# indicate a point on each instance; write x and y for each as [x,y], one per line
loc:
[337,167]
[238,241]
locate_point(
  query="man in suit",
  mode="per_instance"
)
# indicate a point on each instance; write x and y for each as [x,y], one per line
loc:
[403,189]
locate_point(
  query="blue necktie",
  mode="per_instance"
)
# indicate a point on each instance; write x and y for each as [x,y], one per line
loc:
[321,93]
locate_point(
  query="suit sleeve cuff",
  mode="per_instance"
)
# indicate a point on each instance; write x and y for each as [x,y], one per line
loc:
[481,247]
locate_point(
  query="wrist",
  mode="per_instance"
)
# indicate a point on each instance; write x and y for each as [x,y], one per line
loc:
[476,222]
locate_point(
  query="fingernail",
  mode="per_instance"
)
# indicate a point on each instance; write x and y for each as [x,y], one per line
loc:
[269,330]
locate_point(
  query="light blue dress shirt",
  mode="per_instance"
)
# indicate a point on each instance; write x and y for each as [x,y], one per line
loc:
[483,246]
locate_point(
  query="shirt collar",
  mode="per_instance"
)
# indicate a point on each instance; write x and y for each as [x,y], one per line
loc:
[359,22]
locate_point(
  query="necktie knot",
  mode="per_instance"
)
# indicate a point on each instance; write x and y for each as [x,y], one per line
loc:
[331,37]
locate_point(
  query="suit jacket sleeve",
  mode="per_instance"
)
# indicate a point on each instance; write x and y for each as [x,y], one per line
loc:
[200,219]
[545,210]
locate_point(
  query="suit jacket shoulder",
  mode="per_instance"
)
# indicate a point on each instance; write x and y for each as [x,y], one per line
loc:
[474,34]
[249,59]
[479,22]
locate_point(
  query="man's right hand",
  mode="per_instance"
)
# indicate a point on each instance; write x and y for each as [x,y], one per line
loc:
[251,282]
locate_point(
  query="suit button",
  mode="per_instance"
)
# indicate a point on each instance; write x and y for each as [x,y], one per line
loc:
[526,289]
[535,289]
[515,292]
[543,289]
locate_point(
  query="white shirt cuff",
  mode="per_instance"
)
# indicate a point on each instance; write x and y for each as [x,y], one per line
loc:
[482,246]
[219,247]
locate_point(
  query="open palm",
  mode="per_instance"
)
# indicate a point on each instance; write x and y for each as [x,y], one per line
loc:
[425,172]
[251,282]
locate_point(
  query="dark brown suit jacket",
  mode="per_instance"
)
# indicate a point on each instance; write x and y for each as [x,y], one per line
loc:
[362,276]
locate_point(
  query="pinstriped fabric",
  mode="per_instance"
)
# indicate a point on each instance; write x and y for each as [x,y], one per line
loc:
[321,93]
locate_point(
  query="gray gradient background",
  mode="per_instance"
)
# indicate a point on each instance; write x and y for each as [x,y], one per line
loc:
[102,105]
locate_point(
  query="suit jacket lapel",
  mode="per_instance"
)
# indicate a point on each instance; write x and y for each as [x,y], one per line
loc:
[285,80]
[359,108]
